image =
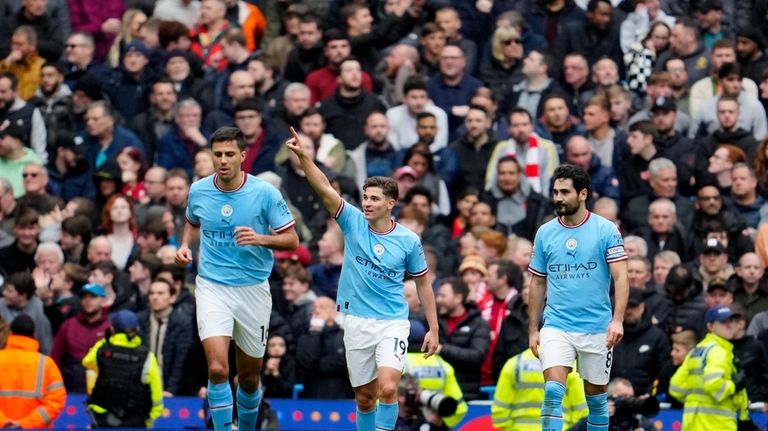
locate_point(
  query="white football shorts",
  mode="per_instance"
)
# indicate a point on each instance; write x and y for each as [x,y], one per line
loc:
[559,348]
[371,344]
[238,312]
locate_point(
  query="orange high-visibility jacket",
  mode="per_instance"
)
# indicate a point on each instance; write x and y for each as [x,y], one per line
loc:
[31,388]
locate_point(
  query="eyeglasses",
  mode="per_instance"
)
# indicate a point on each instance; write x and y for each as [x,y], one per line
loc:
[511,41]
[30,174]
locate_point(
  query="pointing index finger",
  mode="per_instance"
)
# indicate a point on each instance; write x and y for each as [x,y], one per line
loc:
[294,134]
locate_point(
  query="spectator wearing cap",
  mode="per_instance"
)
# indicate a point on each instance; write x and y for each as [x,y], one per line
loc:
[19,298]
[644,350]
[26,116]
[129,86]
[750,286]
[69,173]
[749,116]
[300,297]
[24,62]
[321,359]
[751,356]
[14,155]
[713,264]
[750,51]
[711,23]
[78,334]
[32,394]
[103,137]
[473,272]
[708,383]
[464,334]
[128,391]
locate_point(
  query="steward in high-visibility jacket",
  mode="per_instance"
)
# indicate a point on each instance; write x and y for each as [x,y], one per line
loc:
[129,387]
[434,374]
[707,383]
[520,393]
[32,393]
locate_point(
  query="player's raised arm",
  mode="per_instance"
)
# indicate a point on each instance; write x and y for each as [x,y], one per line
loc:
[536,293]
[621,294]
[315,176]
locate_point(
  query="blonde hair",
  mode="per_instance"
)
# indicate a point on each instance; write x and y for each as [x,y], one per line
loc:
[500,35]
[686,338]
[124,36]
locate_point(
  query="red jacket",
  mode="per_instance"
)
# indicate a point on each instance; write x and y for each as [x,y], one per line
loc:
[322,83]
[31,389]
[75,337]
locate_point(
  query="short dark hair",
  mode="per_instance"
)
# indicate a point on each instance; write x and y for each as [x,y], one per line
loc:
[387,185]
[552,96]
[548,59]
[164,81]
[430,28]
[309,18]
[422,115]
[177,272]
[151,262]
[154,227]
[250,104]
[235,35]
[458,286]
[228,134]
[107,267]
[11,77]
[577,175]
[26,218]
[646,127]
[310,112]
[678,278]
[171,286]
[177,173]
[592,5]
[510,158]
[23,282]
[520,111]
[337,70]
[78,225]
[728,69]
[506,268]
[414,83]
[418,190]
[334,34]
[170,31]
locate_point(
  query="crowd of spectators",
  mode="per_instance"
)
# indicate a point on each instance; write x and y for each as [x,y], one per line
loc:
[106,108]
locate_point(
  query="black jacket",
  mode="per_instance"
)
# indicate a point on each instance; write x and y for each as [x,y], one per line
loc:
[322,363]
[179,336]
[734,224]
[641,355]
[578,36]
[498,78]
[679,241]
[513,335]
[751,356]
[465,349]
[707,146]
[635,217]
[473,162]
[345,116]
[50,32]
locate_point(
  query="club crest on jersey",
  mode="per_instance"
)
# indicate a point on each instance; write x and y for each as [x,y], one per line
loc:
[571,244]
[378,249]
[226,210]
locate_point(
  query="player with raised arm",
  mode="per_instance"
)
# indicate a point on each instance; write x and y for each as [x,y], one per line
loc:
[378,253]
[238,220]
[574,258]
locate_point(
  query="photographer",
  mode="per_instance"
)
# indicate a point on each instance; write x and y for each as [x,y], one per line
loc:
[429,394]
[627,412]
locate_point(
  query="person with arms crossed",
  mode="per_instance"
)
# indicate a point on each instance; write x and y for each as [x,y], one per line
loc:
[378,253]
[573,261]
[238,220]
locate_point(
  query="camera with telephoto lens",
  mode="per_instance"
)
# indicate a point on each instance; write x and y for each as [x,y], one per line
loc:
[440,403]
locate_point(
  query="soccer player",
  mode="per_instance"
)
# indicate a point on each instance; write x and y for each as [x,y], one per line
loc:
[574,258]
[378,253]
[238,220]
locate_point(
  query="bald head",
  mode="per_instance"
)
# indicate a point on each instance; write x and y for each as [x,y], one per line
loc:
[99,249]
[578,152]
[241,85]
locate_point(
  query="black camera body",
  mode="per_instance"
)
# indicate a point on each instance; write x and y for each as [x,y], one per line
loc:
[630,412]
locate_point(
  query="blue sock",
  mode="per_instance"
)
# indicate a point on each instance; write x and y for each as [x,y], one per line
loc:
[247,409]
[220,403]
[597,420]
[552,407]
[386,416]
[365,421]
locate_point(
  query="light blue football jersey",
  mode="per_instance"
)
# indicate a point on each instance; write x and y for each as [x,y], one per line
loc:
[575,260]
[375,265]
[256,204]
